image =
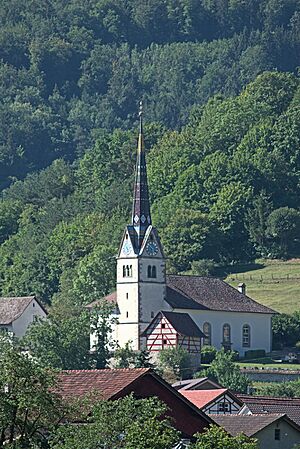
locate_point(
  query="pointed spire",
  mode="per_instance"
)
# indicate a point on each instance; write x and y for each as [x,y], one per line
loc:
[141,217]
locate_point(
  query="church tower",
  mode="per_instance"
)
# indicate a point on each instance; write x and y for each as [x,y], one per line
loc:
[141,282]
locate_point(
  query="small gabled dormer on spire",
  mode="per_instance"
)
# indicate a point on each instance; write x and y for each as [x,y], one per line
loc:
[141,217]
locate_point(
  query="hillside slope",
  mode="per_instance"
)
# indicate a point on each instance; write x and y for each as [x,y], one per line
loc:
[274,283]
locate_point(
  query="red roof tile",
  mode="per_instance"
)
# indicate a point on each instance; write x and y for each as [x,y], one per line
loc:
[201,398]
[107,382]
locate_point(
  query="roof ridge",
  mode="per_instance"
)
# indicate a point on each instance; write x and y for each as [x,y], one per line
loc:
[268,397]
[95,370]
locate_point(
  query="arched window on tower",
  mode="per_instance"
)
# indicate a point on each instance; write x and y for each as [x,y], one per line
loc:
[151,271]
[246,336]
[207,333]
[127,271]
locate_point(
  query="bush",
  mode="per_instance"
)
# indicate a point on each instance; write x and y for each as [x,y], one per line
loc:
[255,354]
[208,354]
[176,361]
[203,267]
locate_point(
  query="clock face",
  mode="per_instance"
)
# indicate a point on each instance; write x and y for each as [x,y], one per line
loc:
[126,248]
[152,248]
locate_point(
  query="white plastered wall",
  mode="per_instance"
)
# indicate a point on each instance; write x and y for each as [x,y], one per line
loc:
[260,327]
[20,325]
[289,436]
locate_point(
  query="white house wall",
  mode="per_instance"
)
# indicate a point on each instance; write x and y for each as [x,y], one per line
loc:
[260,327]
[289,436]
[20,325]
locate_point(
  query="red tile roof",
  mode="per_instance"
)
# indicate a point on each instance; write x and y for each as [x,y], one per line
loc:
[201,398]
[263,404]
[107,382]
[143,383]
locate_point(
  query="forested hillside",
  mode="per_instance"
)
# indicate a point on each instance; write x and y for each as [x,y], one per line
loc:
[71,68]
[222,106]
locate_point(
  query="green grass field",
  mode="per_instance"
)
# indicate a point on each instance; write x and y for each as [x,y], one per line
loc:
[274,283]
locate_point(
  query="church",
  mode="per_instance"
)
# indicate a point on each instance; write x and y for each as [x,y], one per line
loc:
[156,311]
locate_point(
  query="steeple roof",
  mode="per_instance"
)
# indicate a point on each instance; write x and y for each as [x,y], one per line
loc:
[141,217]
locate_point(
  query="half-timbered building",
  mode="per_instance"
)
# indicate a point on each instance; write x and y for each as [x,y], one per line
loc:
[227,317]
[174,330]
[214,402]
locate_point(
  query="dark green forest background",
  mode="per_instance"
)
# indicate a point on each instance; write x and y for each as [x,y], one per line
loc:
[219,81]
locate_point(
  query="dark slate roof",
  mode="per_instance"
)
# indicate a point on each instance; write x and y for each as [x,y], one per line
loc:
[13,307]
[263,404]
[183,324]
[203,293]
[248,424]
[207,293]
[193,384]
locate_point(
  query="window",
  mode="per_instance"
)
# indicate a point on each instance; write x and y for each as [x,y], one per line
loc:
[246,336]
[151,271]
[277,434]
[226,333]
[163,326]
[165,342]
[207,333]
[126,295]
[126,314]
[127,271]
[152,314]
[223,407]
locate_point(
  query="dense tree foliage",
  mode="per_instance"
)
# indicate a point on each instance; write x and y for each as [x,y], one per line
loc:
[286,330]
[217,438]
[226,373]
[225,188]
[123,423]
[290,389]
[70,69]
[28,402]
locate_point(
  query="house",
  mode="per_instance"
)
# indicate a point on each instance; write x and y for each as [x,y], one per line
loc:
[145,293]
[113,384]
[17,313]
[171,329]
[203,383]
[214,402]
[273,431]
[268,404]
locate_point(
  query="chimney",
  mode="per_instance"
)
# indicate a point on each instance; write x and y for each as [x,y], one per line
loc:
[242,288]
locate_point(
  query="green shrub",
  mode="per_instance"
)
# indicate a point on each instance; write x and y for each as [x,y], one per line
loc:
[255,354]
[208,354]
[203,267]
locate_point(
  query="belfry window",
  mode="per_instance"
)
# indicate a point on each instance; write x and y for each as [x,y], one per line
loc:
[127,271]
[151,271]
